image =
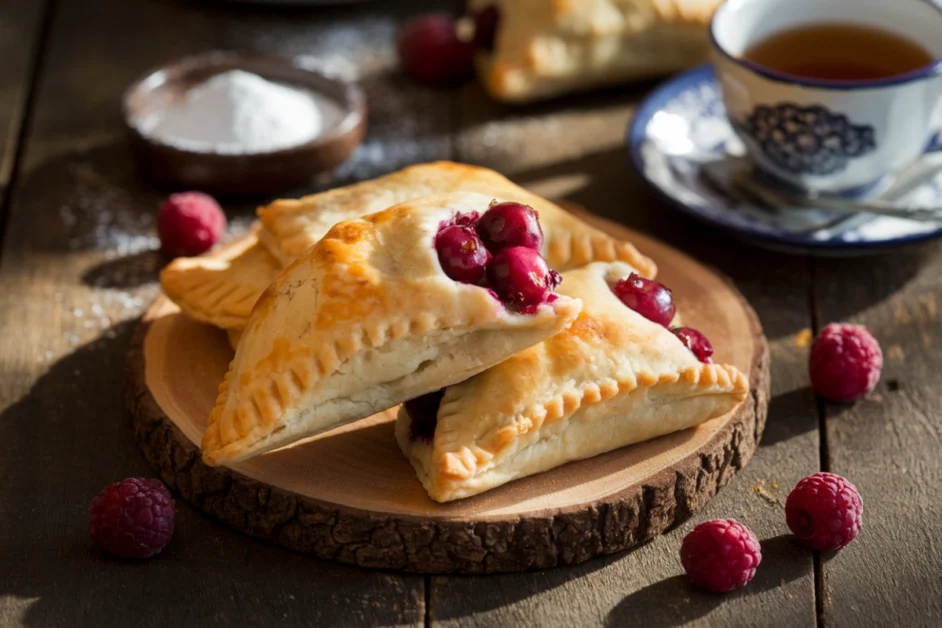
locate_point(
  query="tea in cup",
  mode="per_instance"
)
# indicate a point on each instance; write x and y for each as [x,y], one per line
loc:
[830,95]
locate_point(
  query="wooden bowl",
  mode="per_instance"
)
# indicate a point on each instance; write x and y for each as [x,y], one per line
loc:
[246,174]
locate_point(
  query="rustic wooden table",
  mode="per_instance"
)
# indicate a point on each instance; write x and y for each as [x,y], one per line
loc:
[78,265]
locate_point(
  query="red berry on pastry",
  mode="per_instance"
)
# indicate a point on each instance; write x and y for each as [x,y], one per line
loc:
[462,255]
[650,299]
[522,279]
[720,555]
[467,219]
[423,415]
[431,52]
[696,342]
[824,511]
[509,224]
[189,223]
[132,519]
[485,27]
[845,363]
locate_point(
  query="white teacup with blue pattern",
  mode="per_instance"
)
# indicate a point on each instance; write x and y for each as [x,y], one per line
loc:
[822,135]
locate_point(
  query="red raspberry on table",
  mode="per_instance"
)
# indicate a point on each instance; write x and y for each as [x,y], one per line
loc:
[720,555]
[189,223]
[132,518]
[824,511]
[845,362]
[431,52]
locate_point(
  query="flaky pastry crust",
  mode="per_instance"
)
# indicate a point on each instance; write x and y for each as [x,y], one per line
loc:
[293,226]
[361,322]
[611,379]
[222,290]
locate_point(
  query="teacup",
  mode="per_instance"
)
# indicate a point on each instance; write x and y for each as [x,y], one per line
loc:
[827,135]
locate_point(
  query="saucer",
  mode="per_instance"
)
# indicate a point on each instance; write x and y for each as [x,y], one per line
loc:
[681,142]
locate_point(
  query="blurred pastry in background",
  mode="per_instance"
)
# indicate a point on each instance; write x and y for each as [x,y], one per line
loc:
[536,49]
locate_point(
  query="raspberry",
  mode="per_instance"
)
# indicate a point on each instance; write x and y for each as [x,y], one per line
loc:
[845,362]
[189,223]
[132,518]
[720,555]
[824,511]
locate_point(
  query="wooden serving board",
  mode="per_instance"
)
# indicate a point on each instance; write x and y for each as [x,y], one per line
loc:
[350,494]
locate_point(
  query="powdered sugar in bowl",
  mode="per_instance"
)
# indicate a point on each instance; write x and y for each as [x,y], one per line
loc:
[241,123]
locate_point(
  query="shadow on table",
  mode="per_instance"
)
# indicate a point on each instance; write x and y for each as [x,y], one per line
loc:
[789,416]
[130,271]
[674,601]
[66,439]
[455,596]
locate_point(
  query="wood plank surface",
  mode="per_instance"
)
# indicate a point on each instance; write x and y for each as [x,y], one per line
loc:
[21,28]
[575,150]
[79,264]
[889,444]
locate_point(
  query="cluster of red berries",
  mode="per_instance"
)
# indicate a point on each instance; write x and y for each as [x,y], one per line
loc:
[655,302]
[501,251]
[823,511]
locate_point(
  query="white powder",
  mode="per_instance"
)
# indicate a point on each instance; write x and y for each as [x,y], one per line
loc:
[238,112]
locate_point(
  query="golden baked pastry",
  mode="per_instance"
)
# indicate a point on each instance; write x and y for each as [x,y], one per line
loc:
[221,290]
[611,379]
[361,322]
[544,48]
[293,226]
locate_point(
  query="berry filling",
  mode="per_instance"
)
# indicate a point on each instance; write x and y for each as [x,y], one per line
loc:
[650,299]
[500,253]
[423,415]
[462,254]
[466,220]
[522,278]
[510,224]
[696,342]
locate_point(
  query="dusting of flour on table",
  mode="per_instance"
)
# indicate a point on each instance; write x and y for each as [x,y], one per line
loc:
[237,112]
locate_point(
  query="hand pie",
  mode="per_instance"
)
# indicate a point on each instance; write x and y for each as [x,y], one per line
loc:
[544,48]
[369,318]
[221,288]
[293,226]
[611,379]
[222,291]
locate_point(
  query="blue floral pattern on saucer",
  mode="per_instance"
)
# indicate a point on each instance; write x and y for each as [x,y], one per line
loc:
[681,134]
[807,140]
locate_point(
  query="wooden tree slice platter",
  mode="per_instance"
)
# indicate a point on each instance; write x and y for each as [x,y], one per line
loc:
[350,494]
